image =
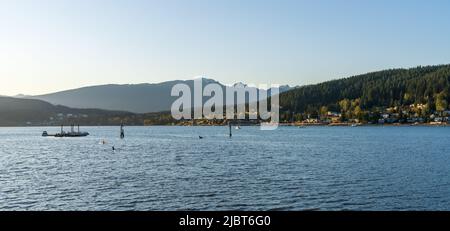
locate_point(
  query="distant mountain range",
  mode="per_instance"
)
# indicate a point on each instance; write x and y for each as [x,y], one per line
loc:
[136,98]
[97,105]
[361,97]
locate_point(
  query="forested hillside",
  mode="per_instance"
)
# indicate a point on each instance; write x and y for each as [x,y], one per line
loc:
[359,96]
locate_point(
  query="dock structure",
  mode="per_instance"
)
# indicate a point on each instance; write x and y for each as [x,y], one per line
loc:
[72,132]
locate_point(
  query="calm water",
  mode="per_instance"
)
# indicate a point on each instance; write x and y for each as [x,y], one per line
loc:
[170,168]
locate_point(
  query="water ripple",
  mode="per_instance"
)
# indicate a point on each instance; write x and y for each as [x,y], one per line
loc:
[169,168]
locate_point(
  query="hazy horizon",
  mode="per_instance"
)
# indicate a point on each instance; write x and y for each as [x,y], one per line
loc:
[207,77]
[48,46]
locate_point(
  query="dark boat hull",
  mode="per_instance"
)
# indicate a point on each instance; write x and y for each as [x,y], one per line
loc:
[75,134]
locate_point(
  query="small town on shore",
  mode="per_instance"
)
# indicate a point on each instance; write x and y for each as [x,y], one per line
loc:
[413,115]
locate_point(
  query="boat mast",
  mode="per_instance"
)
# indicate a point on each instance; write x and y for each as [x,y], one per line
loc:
[122,132]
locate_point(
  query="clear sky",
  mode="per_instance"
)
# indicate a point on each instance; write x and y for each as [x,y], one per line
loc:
[52,45]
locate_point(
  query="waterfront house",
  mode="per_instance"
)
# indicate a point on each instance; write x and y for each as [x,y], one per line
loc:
[332,117]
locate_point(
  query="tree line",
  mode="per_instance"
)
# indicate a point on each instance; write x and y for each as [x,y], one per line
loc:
[364,96]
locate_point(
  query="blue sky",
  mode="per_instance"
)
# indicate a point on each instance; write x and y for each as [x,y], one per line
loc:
[51,45]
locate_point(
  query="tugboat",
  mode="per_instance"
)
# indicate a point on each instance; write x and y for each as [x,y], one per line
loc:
[72,133]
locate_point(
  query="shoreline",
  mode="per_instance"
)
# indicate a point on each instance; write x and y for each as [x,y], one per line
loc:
[255,125]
